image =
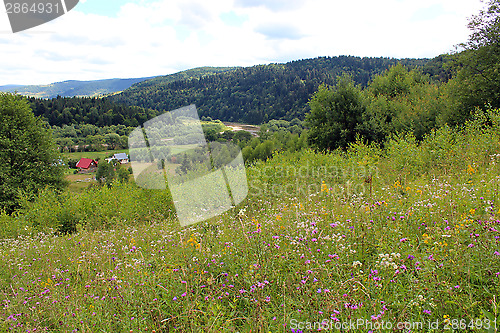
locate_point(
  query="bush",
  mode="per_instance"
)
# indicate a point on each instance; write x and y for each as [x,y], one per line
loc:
[97,208]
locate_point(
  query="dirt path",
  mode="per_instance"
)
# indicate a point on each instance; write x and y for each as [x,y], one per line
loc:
[243,127]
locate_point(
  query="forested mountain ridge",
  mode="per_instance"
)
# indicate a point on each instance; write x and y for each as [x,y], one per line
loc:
[260,93]
[243,94]
[193,73]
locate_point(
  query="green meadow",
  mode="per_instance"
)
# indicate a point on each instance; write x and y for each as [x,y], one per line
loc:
[400,238]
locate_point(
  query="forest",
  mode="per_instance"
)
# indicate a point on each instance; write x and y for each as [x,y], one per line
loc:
[249,95]
[258,94]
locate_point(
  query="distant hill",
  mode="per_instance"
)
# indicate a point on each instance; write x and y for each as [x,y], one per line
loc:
[10,87]
[74,88]
[255,94]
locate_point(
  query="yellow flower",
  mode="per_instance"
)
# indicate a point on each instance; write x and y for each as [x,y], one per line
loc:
[470,170]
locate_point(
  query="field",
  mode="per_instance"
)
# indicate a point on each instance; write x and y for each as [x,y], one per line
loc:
[94,154]
[400,239]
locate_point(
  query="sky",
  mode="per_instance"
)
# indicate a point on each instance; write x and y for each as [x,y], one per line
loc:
[103,39]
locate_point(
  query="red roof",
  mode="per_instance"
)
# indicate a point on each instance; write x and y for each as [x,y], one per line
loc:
[86,163]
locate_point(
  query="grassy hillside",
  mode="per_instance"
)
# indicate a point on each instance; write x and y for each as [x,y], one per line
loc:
[408,235]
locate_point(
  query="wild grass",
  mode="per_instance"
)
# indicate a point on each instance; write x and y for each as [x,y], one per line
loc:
[406,234]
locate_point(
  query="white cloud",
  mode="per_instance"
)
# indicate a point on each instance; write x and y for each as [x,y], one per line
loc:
[159,37]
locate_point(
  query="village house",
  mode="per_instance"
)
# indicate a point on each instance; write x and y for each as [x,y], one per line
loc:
[85,165]
[120,157]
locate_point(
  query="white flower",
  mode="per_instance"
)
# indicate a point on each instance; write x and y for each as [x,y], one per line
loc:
[356,263]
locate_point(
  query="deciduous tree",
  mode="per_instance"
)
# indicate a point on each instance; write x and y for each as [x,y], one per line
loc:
[29,161]
[336,114]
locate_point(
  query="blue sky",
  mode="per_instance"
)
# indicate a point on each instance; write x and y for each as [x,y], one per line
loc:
[109,8]
[102,39]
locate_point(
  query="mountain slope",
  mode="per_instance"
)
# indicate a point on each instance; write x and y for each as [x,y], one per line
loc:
[259,93]
[75,88]
[96,88]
